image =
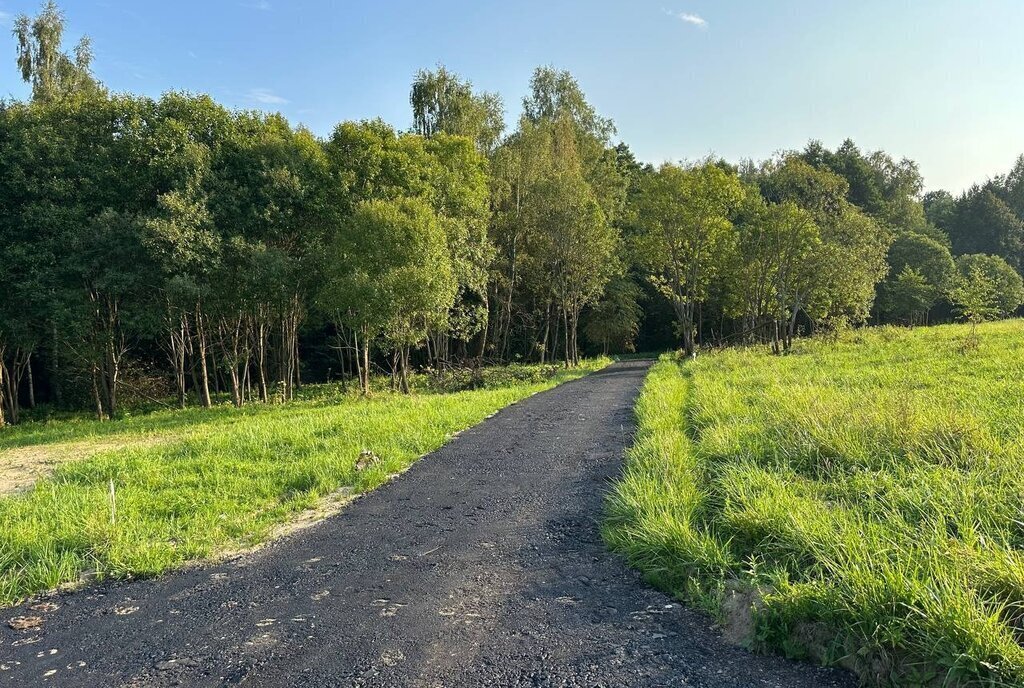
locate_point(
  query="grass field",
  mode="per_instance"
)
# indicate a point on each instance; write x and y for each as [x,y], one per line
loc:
[860,502]
[189,484]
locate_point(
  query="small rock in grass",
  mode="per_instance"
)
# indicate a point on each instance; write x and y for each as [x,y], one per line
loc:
[366,459]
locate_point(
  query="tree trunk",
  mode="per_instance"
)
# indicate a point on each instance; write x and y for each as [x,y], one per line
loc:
[113,371]
[54,364]
[576,336]
[404,356]
[363,362]
[10,394]
[204,371]
[3,388]
[96,392]
[3,417]
[565,321]
[547,333]
[791,329]
[483,331]
[31,383]
[262,337]
[236,387]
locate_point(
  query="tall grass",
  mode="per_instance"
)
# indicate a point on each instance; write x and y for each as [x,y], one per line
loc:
[224,483]
[864,499]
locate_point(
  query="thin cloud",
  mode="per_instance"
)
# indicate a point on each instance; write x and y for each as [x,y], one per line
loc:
[264,96]
[5,17]
[689,18]
[263,5]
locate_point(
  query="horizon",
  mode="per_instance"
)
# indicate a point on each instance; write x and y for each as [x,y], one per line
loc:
[919,83]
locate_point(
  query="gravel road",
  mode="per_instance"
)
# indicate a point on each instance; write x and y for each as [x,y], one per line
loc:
[481,566]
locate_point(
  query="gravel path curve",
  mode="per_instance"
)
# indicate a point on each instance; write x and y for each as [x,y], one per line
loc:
[481,566]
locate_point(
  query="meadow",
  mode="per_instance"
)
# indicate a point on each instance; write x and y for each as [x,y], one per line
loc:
[157,490]
[858,502]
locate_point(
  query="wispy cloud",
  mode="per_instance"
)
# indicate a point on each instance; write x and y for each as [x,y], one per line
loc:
[5,18]
[264,96]
[263,5]
[689,18]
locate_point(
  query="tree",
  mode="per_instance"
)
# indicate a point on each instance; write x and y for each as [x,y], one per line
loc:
[442,102]
[974,297]
[908,295]
[820,192]
[557,102]
[561,142]
[983,223]
[927,260]
[687,236]
[181,235]
[41,62]
[460,195]
[848,270]
[793,242]
[371,161]
[391,273]
[881,187]
[555,94]
[1007,288]
[939,207]
[1011,188]
[28,251]
[577,248]
[272,199]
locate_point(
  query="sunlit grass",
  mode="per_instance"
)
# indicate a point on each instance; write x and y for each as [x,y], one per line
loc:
[225,480]
[871,491]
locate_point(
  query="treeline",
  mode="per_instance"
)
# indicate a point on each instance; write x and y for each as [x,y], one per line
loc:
[194,250]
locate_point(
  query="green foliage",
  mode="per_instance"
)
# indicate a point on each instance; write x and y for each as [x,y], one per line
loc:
[557,192]
[986,288]
[444,103]
[939,207]
[1007,288]
[983,223]
[908,296]
[862,496]
[921,272]
[804,250]
[881,187]
[407,265]
[42,63]
[687,235]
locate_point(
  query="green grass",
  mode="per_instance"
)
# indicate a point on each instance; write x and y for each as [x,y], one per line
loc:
[859,502]
[225,479]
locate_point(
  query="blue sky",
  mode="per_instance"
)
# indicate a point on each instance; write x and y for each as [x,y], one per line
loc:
[939,81]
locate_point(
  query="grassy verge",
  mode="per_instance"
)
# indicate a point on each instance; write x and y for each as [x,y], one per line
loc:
[858,502]
[224,481]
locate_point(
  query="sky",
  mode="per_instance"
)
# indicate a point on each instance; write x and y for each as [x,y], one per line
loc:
[938,81]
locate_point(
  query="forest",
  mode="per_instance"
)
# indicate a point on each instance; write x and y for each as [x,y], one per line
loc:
[176,251]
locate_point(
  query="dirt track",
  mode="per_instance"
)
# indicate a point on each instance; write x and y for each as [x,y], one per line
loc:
[481,566]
